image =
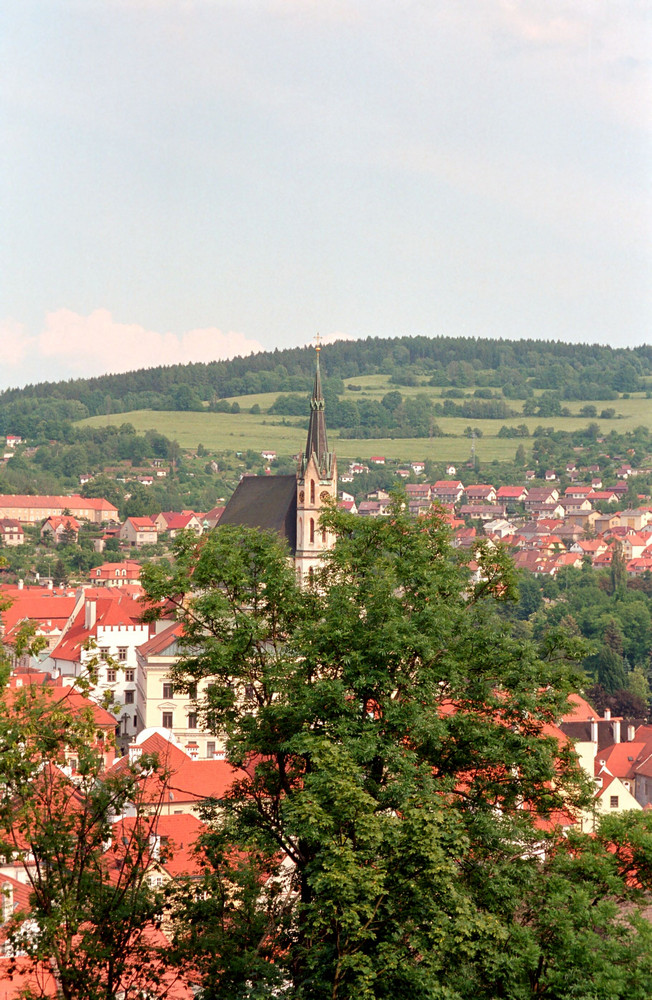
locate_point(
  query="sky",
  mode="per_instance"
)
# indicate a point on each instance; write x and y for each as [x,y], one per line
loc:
[187,180]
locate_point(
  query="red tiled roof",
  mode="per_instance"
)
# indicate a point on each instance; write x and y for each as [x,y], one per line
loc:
[186,779]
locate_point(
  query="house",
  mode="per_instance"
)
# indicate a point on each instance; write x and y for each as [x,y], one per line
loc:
[371,508]
[139,531]
[104,629]
[60,528]
[269,456]
[182,783]
[13,440]
[161,706]
[511,494]
[11,532]
[480,493]
[357,469]
[635,518]
[451,470]
[145,480]
[418,491]
[377,459]
[448,490]
[418,467]
[589,547]
[485,512]
[540,495]
[47,610]
[403,473]
[212,517]
[174,522]
[116,574]
[550,475]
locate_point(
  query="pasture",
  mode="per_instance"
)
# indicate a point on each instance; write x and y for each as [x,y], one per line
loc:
[222,432]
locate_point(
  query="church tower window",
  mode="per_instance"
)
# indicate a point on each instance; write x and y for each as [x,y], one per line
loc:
[312,530]
[312,491]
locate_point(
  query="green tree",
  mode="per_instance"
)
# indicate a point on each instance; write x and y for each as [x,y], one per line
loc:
[383,838]
[91,910]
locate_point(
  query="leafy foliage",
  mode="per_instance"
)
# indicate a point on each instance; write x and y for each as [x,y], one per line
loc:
[386,838]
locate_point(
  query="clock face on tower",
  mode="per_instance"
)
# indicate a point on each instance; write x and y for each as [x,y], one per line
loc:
[302,496]
[324,495]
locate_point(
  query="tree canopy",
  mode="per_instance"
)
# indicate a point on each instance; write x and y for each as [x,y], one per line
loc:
[398,831]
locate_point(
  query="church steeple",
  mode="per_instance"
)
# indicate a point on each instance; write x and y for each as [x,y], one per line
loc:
[316,486]
[317,442]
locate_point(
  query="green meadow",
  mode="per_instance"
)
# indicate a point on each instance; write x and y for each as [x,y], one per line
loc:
[220,432]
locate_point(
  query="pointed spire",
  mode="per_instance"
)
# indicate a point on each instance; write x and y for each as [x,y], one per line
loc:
[317,442]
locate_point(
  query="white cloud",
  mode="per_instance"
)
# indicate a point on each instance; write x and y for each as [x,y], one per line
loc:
[74,345]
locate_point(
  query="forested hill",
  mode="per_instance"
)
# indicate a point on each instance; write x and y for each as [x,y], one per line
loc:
[577,371]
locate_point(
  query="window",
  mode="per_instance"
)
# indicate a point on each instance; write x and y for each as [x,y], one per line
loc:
[192,691]
[136,721]
[312,491]
[312,530]
[210,750]
[104,652]
[130,675]
[73,763]
[122,653]
[110,675]
[192,720]
[168,690]
[129,697]
[168,720]
[613,802]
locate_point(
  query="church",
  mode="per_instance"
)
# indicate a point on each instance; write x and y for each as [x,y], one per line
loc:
[291,505]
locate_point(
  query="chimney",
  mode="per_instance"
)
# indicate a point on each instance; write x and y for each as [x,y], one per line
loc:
[594,730]
[615,728]
[50,584]
[21,584]
[90,614]
[631,733]
[607,714]
[135,752]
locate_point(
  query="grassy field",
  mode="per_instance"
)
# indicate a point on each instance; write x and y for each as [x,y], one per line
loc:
[222,432]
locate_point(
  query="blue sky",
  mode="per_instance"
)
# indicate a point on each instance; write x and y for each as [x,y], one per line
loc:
[192,179]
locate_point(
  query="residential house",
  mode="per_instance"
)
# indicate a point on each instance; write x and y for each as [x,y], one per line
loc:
[105,629]
[418,491]
[212,517]
[482,511]
[269,456]
[162,706]
[539,496]
[116,574]
[139,531]
[448,490]
[60,527]
[11,532]
[182,783]
[174,522]
[46,609]
[511,495]
[418,467]
[480,493]
[377,459]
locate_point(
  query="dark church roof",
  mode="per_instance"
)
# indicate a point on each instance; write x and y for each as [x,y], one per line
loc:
[265,502]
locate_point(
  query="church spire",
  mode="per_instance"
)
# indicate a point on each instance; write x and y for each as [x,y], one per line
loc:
[317,443]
